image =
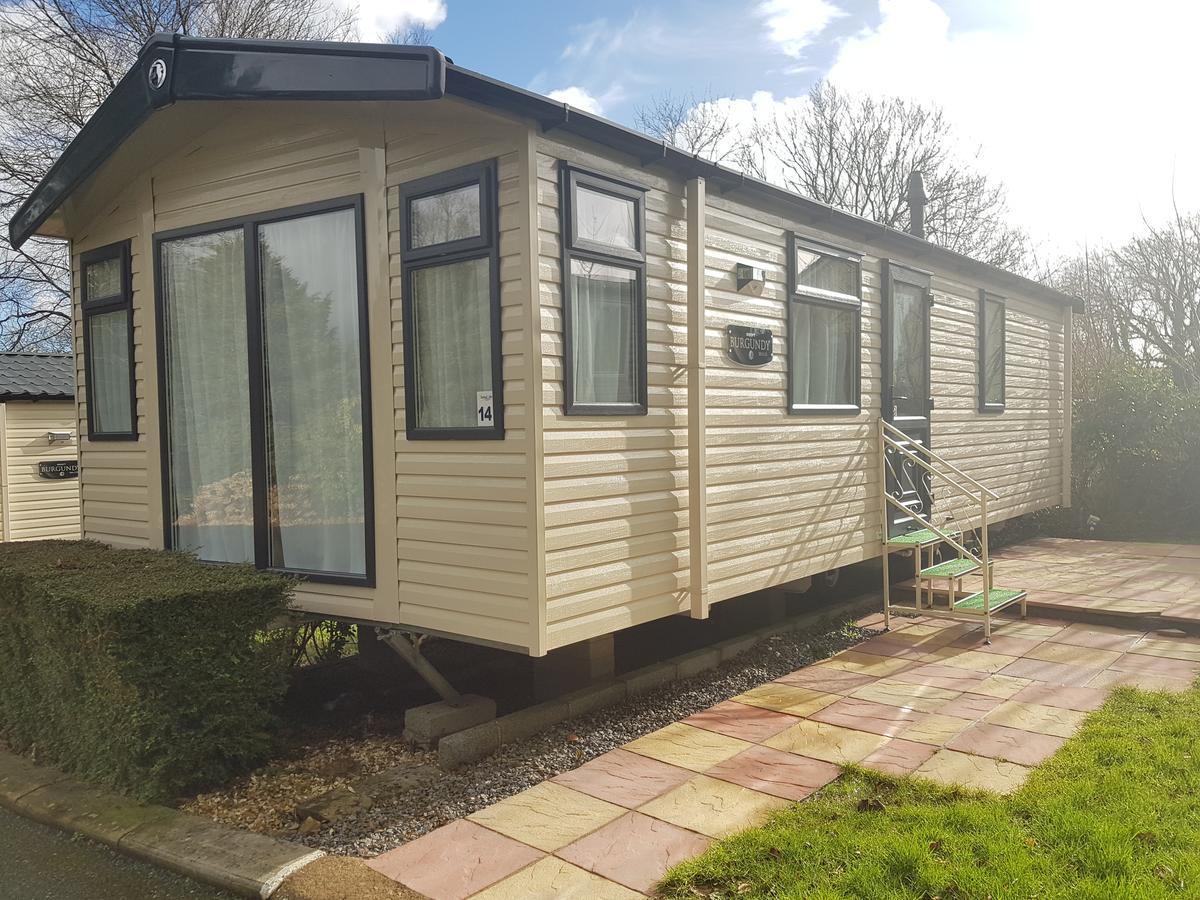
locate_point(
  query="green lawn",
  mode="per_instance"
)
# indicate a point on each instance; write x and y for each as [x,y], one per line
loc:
[1114,814]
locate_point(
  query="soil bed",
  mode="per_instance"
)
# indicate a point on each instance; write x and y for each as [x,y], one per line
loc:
[321,759]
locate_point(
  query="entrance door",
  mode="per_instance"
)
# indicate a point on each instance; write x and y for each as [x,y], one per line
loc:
[907,400]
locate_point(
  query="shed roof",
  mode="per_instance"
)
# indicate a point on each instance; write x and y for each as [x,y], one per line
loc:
[173,68]
[37,376]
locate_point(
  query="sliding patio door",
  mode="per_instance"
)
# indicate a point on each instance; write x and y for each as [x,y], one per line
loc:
[265,393]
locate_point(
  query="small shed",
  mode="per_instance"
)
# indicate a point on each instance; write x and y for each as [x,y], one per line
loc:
[39,452]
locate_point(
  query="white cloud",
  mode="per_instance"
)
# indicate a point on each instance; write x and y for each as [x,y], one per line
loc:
[379,18]
[794,24]
[1082,107]
[578,98]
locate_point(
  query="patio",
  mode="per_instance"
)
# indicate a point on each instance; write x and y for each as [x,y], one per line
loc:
[928,698]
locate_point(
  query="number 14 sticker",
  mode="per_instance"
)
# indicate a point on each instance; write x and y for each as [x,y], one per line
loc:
[483,408]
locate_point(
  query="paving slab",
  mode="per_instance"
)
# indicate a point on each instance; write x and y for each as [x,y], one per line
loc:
[899,757]
[787,698]
[954,769]
[775,772]
[1036,717]
[867,715]
[547,816]
[624,778]
[826,680]
[556,879]
[455,861]
[1010,744]
[832,743]
[750,723]
[635,850]
[936,729]
[688,747]
[713,807]
[922,697]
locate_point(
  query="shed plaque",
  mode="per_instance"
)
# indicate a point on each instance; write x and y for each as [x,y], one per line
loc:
[59,468]
[749,346]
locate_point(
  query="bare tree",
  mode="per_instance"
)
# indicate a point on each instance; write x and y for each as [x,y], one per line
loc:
[61,59]
[695,125]
[856,153]
[413,34]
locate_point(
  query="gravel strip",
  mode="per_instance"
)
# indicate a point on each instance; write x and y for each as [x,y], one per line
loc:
[395,820]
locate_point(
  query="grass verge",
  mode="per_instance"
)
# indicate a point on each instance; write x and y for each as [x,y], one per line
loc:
[1114,814]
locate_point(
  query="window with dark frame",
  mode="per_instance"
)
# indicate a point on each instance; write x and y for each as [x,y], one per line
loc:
[604,294]
[106,301]
[991,323]
[824,329]
[265,392]
[453,367]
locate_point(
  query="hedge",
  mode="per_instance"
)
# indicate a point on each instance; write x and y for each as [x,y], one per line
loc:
[142,670]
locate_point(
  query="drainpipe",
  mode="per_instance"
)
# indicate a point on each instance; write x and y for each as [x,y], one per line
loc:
[697,482]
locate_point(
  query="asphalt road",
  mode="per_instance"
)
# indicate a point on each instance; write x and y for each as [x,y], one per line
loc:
[40,863]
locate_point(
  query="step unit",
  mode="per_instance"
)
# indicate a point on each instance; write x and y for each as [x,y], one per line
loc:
[924,539]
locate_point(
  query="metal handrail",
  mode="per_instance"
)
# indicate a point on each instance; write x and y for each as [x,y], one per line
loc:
[931,527]
[981,560]
[896,445]
[945,462]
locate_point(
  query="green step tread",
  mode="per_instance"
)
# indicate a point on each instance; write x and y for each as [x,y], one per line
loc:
[1000,598]
[951,569]
[920,538]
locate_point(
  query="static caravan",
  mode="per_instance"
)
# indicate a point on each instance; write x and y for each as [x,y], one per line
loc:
[482,365]
[39,466]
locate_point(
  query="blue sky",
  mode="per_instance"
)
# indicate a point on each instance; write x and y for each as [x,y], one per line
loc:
[1084,108]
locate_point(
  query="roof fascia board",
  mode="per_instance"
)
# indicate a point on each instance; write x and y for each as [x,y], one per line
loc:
[552,115]
[171,68]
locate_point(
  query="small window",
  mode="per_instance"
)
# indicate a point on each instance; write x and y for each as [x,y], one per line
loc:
[824,329]
[604,295]
[992,316]
[107,304]
[452,360]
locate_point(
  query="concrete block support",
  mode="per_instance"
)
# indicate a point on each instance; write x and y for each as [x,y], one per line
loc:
[572,668]
[426,725]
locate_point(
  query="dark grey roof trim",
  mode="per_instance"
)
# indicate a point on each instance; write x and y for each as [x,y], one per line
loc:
[172,67]
[37,376]
[208,69]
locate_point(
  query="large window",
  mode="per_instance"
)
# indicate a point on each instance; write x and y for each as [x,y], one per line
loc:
[604,295]
[991,353]
[453,383]
[824,311]
[265,392]
[107,303]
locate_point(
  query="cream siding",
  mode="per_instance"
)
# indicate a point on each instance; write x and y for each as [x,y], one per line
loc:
[616,487]
[572,526]
[1017,453]
[35,507]
[788,495]
[462,507]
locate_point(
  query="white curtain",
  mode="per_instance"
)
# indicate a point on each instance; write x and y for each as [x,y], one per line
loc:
[452,342]
[208,406]
[108,335]
[822,354]
[316,488]
[603,333]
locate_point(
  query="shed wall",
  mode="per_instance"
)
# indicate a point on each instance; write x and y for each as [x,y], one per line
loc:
[37,507]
